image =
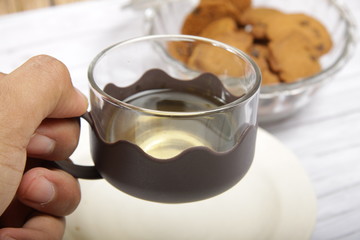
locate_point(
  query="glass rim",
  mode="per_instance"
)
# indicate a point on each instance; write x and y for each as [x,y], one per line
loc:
[114,101]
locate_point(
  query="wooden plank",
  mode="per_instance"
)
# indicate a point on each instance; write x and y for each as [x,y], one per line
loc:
[33,4]
[59,2]
[11,6]
[8,6]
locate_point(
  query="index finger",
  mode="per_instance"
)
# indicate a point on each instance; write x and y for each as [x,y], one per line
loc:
[45,83]
[40,88]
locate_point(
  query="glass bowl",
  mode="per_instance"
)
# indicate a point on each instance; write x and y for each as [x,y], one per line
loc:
[280,100]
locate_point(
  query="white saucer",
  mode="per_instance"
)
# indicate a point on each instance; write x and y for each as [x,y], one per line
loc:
[275,201]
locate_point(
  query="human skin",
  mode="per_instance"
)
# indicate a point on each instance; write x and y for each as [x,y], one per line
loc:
[38,120]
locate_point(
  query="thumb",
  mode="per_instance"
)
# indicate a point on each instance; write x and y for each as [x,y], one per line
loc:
[38,89]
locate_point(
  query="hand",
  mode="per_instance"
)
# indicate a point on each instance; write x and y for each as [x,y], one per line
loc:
[38,104]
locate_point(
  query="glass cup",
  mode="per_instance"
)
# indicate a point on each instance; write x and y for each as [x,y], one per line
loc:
[173,117]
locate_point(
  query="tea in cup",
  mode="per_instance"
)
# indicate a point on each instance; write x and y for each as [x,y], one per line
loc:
[168,126]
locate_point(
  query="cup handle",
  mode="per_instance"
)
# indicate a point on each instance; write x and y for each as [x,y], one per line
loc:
[78,171]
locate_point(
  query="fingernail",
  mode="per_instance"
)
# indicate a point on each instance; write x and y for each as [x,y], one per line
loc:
[41,191]
[82,95]
[40,145]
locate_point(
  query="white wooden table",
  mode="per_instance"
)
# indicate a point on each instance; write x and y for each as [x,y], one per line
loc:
[325,136]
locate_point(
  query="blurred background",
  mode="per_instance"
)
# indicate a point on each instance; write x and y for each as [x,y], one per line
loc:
[11,6]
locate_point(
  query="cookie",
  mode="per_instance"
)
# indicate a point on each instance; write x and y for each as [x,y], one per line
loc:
[258,19]
[241,5]
[219,27]
[225,30]
[205,13]
[218,61]
[316,33]
[260,54]
[180,50]
[286,47]
[269,78]
[238,39]
[206,58]
[290,58]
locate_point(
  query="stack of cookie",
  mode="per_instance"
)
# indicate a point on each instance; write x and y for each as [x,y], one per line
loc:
[287,47]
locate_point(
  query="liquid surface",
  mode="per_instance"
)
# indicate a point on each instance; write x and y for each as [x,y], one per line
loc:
[167,143]
[173,101]
[166,137]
